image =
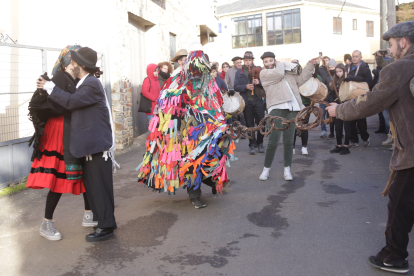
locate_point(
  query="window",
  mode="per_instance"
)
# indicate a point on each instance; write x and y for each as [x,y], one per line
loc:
[370,28]
[173,44]
[337,25]
[354,24]
[283,27]
[247,31]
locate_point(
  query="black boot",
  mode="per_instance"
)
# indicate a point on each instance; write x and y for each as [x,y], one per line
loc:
[100,234]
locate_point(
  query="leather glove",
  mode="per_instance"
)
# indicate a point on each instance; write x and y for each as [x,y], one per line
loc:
[231,92]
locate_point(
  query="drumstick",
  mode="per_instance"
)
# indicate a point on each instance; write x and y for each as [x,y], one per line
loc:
[334,85]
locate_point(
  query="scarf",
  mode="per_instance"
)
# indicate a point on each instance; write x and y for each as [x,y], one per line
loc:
[64,57]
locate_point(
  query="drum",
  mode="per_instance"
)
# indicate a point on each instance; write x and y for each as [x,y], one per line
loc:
[314,89]
[233,105]
[351,89]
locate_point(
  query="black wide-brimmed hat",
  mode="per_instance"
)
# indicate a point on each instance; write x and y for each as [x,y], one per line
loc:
[85,56]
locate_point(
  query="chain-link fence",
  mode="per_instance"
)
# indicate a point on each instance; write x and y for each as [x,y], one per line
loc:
[20,66]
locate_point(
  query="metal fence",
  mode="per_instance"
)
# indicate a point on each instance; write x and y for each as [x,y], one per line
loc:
[20,66]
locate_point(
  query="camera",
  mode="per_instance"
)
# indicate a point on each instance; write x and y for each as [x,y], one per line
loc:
[382,52]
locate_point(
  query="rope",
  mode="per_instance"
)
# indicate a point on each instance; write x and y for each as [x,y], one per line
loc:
[236,129]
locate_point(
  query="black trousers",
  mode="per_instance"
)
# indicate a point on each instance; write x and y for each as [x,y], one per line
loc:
[254,111]
[362,126]
[400,217]
[97,177]
[304,135]
[339,131]
[381,121]
[239,118]
[197,192]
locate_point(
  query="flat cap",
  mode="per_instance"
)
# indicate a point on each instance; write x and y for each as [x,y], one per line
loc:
[236,58]
[400,30]
[268,54]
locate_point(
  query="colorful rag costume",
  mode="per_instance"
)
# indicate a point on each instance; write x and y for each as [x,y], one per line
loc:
[186,144]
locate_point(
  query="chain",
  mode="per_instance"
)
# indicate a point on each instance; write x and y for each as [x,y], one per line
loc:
[236,129]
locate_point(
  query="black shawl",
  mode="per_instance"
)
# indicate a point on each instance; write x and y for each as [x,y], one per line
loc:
[41,109]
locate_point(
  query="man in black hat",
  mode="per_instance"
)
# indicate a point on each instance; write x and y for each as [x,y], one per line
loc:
[230,75]
[91,137]
[395,92]
[254,109]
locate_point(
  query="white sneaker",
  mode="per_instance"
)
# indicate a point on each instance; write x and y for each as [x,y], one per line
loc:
[293,151]
[323,134]
[48,231]
[265,174]
[389,141]
[88,220]
[305,151]
[288,175]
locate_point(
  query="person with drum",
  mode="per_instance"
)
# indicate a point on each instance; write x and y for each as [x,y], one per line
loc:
[229,79]
[394,91]
[283,100]
[326,79]
[358,71]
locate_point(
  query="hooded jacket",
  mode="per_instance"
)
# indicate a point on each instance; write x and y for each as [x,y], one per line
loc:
[151,87]
[392,92]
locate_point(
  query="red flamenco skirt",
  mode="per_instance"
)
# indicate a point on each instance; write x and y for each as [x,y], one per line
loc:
[50,171]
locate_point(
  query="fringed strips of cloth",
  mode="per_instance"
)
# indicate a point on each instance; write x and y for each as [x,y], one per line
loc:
[186,143]
[50,171]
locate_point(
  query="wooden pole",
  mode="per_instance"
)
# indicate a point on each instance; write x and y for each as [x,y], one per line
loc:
[391,14]
[384,22]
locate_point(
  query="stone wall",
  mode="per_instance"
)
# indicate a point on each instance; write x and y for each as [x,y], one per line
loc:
[122,114]
[176,18]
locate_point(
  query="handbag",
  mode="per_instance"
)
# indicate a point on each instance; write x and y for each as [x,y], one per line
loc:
[145,104]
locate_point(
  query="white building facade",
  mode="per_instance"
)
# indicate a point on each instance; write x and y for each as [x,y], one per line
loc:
[296,29]
[129,33]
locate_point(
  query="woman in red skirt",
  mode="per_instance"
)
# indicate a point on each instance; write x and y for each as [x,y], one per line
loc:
[53,165]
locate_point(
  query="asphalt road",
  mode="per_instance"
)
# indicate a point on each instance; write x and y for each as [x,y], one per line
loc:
[327,221]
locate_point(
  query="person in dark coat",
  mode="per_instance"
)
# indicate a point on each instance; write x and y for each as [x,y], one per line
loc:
[326,79]
[394,91]
[54,167]
[358,71]
[254,106]
[165,71]
[92,137]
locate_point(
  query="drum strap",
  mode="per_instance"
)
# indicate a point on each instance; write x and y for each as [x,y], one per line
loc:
[349,69]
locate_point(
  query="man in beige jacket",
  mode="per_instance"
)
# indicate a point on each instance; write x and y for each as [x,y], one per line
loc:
[283,99]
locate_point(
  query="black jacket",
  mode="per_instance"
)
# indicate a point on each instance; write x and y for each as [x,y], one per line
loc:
[240,82]
[41,109]
[364,74]
[326,79]
[221,84]
[90,127]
